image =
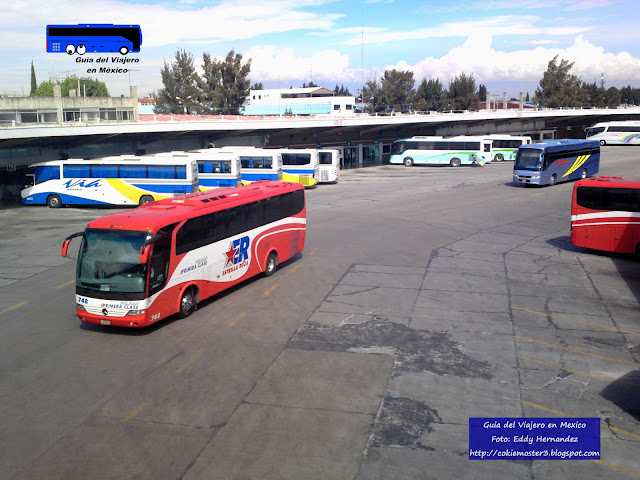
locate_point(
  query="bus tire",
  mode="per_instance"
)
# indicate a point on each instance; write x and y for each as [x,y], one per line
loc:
[499,157]
[408,162]
[584,173]
[603,143]
[271,264]
[145,199]
[455,162]
[81,49]
[71,49]
[187,303]
[554,179]
[53,201]
[124,50]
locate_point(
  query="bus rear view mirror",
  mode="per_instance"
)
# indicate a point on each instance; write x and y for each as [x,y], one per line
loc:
[67,241]
[146,247]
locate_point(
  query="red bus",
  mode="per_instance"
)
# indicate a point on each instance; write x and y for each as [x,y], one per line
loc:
[139,266]
[605,214]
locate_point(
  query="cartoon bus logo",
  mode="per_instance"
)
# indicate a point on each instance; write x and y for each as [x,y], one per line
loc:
[93,38]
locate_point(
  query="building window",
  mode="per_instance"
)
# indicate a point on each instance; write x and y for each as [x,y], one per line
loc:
[349,107]
[71,115]
[336,107]
[124,115]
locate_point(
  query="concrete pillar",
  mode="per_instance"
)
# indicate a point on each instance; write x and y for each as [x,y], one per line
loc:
[521,101]
[57,96]
[504,101]
[133,93]
[488,106]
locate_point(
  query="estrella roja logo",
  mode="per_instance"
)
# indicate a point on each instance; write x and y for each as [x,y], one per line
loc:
[237,256]
[577,164]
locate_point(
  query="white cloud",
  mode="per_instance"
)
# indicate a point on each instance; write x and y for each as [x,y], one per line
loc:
[476,56]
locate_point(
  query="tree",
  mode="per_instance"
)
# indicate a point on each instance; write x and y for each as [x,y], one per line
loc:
[462,93]
[341,91]
[558,88]
[311,84]
[180,93]
[393,94]
[482,93]
[34,83]
[630,95]
[224,84]
[88,86]
[430,95]
[257,86]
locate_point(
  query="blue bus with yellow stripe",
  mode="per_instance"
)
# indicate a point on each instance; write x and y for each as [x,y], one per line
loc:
[121,180]
[301,166]
[554,161]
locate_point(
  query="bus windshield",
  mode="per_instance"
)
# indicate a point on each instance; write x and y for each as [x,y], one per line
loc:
[528,159]
[109,261]
[591,131]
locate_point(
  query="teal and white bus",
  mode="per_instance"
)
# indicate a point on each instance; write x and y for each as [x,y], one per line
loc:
[433,150]
[505,147]
[121,180]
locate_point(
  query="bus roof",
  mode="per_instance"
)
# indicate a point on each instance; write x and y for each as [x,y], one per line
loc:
[616,182]
[563,144]
[155,215]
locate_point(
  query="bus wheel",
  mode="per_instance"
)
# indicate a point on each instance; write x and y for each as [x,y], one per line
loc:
[554,179]
[499,157]
[71,49]
[408,162]
[53,201]
[145,199]
[82,49]
[584,173]
[455,162]
[187,303]
[271,264]
[603,143]
[124,50]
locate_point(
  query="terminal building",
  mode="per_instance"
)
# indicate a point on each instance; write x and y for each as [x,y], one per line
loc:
[40,129]
[298,101]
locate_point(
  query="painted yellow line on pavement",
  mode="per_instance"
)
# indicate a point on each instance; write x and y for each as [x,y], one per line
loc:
[193,358]
[294,268]
[536,194]
[604,327]
[449,211]
[602,424]
[129,417]
[66,284]
[617,467]
[575,350]
[13,308]
[592,375]
[268,292]
[235,321]
[312,252]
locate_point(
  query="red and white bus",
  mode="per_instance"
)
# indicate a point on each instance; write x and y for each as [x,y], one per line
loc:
[139,266]
[605,214]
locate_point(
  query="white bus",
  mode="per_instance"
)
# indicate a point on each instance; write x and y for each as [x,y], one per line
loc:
[453,151]
[300,165]
[505,147]
[329,160]
[216,167]
[615,133]
[258,163]
[122,180]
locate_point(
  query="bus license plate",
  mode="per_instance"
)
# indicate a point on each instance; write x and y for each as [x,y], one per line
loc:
[105,322]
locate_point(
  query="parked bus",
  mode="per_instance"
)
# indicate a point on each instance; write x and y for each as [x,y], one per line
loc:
[216,168]
[554,161]
[505,147]
[142,265]
[121,180]
[300,166]
[605,214]
[329,165]
[257,164]
[615,133]
[98,38]
[453,151]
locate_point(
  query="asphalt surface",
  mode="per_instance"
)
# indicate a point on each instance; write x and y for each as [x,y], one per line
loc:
[425,296]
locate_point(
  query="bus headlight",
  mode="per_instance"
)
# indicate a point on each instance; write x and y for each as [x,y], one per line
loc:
[535,175]
[79,306]
[135,312]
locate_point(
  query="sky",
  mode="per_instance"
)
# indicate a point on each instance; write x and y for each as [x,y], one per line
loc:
[506,45]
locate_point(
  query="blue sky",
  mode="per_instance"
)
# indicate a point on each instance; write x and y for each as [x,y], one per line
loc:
[506,45]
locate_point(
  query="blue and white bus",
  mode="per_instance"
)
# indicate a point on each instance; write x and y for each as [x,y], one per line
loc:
[433,150]
[258,163]
[122,180]
[93,38]
[216,167]
[615,133]
[300,166]
[554,161]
